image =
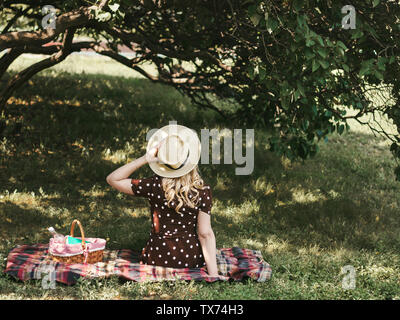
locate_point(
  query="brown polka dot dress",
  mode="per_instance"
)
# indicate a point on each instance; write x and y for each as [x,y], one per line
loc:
[173,238]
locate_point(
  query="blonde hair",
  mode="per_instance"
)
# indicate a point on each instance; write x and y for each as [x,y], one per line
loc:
[181,187]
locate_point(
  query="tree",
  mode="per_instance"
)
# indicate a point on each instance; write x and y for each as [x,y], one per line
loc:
[289,66]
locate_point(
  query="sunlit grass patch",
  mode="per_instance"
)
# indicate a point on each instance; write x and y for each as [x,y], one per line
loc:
[309,219]
[302,196]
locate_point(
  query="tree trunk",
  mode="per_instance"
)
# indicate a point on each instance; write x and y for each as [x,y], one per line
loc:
[29,72]
[9,58]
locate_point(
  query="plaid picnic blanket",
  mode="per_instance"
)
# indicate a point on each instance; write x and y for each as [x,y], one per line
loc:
[26,262]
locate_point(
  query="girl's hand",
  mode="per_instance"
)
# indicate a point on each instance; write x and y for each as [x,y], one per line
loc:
[151,155]
[220,277]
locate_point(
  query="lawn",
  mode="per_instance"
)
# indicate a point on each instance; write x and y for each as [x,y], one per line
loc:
[67,130]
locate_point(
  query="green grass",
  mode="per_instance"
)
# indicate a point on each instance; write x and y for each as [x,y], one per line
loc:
[67,131]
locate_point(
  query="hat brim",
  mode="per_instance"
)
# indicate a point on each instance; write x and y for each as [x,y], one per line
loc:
[189,136]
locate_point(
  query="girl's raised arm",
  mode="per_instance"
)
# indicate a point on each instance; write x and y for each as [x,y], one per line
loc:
[119,178]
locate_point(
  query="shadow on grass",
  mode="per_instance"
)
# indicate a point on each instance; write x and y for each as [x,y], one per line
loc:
[67,140]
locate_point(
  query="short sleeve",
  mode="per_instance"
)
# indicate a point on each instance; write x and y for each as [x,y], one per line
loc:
[206,200]
[142,187]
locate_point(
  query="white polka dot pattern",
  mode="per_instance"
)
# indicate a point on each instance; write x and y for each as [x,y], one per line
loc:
[173,238]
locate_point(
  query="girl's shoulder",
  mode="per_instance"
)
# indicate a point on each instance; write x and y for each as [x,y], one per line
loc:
[206,186]
[205,199]
[206,190]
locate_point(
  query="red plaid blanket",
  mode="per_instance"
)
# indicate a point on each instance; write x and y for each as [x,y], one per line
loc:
[32,262]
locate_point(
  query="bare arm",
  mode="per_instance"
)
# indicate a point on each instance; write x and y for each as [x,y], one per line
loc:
[119,178]
[208,245]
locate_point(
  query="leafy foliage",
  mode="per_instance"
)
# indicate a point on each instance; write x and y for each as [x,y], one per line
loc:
[289,66]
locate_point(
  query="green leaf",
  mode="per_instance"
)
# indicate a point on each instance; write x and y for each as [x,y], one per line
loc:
[284,104]
[121,14]
[310,42]
[324,64]
[358,34]
[309,53]
[251,72]
[342,45]
[322,52]
[375,3]
[252,9]
[341,51]
[378,74]
[298,4]
[341,129]
[366,67]
[363,71]
[297,95]
[301,20]
[262,72]
[314,109]
[301,88]
[103,16]
[272,24]
[255,18]
[315,65]
[306,124]
[345,67]
[114,7]
[320,40]
[382,63]
[328,113]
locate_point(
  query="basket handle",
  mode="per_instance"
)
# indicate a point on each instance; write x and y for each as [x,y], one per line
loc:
[81,229]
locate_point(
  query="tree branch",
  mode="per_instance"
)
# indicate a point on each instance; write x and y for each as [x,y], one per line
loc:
[27,73]
[75,18]
[8,58]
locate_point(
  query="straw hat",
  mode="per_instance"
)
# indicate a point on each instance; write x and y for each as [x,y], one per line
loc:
[178,153]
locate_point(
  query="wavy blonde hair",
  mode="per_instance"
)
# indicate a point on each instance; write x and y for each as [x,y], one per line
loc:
[181,187]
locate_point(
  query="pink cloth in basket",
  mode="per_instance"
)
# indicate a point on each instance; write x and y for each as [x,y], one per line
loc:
[58,247]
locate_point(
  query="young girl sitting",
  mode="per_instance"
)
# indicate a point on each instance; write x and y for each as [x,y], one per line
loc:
[180,202]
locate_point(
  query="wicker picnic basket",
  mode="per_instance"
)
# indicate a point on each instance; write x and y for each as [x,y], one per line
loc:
[92,252]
